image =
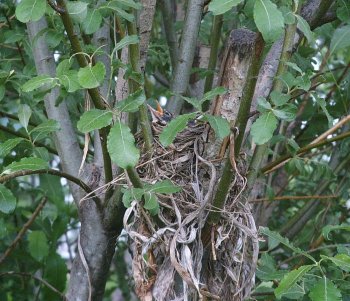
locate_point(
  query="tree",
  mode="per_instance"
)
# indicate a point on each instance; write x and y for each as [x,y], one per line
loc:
[257,112]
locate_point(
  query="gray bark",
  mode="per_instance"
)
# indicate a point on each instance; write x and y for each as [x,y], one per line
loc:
[186,54]
[65,139]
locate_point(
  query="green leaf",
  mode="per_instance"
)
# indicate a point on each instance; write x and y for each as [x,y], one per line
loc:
[304,27]
[263,128]
[56,274]
[327,229]
[174,127]
[263,105]
[290,279]
[132,102]
[24,113]
[30,10]
[279,98]
[294,67]
[116,7]
[129,3]
[2,92]
[91,76]
[63,67]
[94,119]
[165,186]
[269,20]
[44,129]
[340,260]
[38,82]
[7,200]
[121,146]
[127,40]
[70,81]
[303,82]
[77,10]
[219,124]
[37,245]
[8,145]
[340,39]
[287,112]
[322,103]
[277,237]
[31,163]
[212,93]
[194,102]
[325,290]
[92,22]
[151,201]
[219,7]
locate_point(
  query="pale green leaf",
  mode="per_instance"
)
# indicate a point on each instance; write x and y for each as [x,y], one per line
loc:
[63,67]
[327,229]
[121,146]
[325,290]
[287,112]
[268,19]
[290,279]
[92,22]
[31,163]
[278,238]
[44,129]
[127,40]
[24,113]
[2,92]
[132,102]
[194,102]
[340,260]
[304,27]
[151,201]
[7,200]
[94,119]
[70,81]
[340,39]
[212,93]
[174,127]
[130,3]
[165,186]
[263,128]
[30,10]
[219,124]
[118,9]
[91,77]
[263,105]
[39,81]
[8,145]
[77,10]
[219,7]
[37,245]
[279,98]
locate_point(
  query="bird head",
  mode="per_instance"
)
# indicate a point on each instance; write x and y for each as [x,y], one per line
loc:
[160,115]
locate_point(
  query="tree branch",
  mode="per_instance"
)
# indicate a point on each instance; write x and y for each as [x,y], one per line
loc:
[170,33]
[186,54]
[18,134]
[94,93]
[23,230]
[36,278]
[65,139]
[54,172]
[281,161]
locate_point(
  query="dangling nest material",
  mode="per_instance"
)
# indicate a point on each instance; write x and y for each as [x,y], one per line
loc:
[169,260]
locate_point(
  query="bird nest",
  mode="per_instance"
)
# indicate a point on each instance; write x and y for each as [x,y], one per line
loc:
[170,261]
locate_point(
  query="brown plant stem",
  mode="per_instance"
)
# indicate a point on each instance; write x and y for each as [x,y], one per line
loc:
[23,230]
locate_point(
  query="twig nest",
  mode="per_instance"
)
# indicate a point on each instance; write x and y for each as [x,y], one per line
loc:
[169,259]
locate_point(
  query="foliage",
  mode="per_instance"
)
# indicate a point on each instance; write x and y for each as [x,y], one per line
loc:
[307,256]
